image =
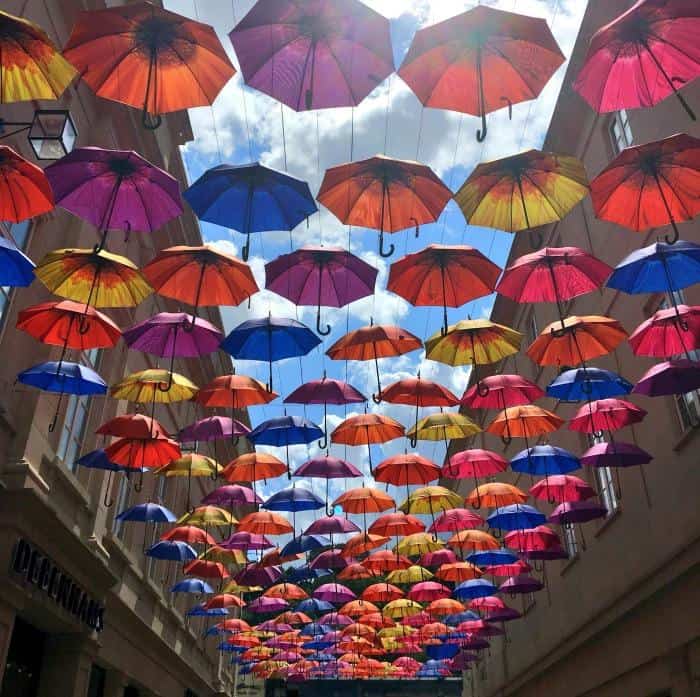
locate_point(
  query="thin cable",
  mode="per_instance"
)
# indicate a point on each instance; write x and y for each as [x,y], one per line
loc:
[245,103]
[452,173]
[388,112]
[284,137]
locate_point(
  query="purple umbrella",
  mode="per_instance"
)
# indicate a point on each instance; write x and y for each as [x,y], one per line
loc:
[670,377]
[213,428]
[114,190]
[264,604]
[331,525]
[231,495]
[325,391]
[331,559]
[173,334]
[334,593]
[335,619]
[246,541]
[521,584]
[615,454]
[327,467]
[317,276]
[576,512]
[502,614]
[474,643]
[546,554]
[259,576]
[316,54]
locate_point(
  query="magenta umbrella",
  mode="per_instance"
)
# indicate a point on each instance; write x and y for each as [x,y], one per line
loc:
[231,495]
[325,391]
[334,593]
[265,605]
[315,54]
[173,334]
[327,467]
[247,541]
[332,525]
[114,190]
[669,377]
[331,559]
[320,276]
[213,428]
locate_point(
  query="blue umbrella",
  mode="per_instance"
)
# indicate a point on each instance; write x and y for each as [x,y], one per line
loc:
[312,606]
[318,644]
[474,588]
[191,585]
[322,657]
[314,629]
[270,339]
[283,431]
[172,551]
[292,500]
[459,617]
[63,377]
[295,574]
[544,460]
[147,513]
[492,557]
[97,459]
[250,198]
[517,516]
[585,384]
[225,647]
[201,611]
[16,268]
[305,543]
[441,651]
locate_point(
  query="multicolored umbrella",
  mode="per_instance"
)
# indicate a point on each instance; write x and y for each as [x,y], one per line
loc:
[468,63]
[253,467]
[154,386]
[384,194]
[327,467]
[525,421]
[320,276]
[475,463]
[149,58]
[330,54]
[606,415]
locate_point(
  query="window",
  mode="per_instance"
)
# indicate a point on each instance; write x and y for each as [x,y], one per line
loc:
[75,421]
[570,541]
[606,483]
[620,131]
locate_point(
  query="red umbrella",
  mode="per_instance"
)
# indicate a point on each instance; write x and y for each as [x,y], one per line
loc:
[651,185]
[409,468]
[668,332]
[456,519]
[205,569]
[481,61]
[139,453]
[442,275]
[190,534]
[501,391]
[532,539]
[132,426]
[606,415]
[396,524]
[427,591]
[642,57]
[24,190]
[561,488]
[553,274]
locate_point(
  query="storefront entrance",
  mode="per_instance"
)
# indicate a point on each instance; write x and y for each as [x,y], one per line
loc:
[24,658]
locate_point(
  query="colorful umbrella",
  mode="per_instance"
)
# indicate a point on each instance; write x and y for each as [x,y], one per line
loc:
[31,66]
[668,332]
[670,377]
[501,391]
[442,275]
[523,191]
[473,463]
[250,198]
[473,539]
[409,575]
[213,428]
[615,454]
[561,488]
[190,534]
[114,190]
[417,544]
[148,58]
[373,342]
[524,421]
[24,189]
[396,524]
[606,415]
[326,467]
[265,523]
[16,268]
[365,429]
[269,339]
[651,185]
[328,276]
[253,467]
[474,63]
[641,57]
[363,500]
[444,426]
[516,516]
[410,468]
[330,54]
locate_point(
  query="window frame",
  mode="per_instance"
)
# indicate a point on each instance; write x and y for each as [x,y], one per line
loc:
[620,121]
[605,482]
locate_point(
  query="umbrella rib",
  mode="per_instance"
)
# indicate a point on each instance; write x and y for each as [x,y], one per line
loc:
[555,209]
[675,195]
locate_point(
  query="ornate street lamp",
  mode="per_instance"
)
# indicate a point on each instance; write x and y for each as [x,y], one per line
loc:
[51,133]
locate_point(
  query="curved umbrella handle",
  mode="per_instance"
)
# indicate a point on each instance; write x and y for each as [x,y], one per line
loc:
[415,222]
[149,121]
[377,398]
[510,107]
[84,324]
[506,440]
[675,236]
[52,425]
[384,252]
[413,440]
[323,442]
[107,500]
[168,384]
[559,333]
[481,389]
[245,251]
[322,332]
[481,132]
[138,486]
[188,326]
[101,244]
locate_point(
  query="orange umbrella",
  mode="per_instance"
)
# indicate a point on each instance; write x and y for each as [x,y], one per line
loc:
[235,392]
[373,342]
[575,340]
[376,620]
[442,275]
[149,58]
[288,591]
[252,467]
[384,194]
[356,572]
[275,558]
[524,421]
[364,500]
[293,618]
[223,600]
[444,606]
[382,593]
[367,429]
[495,495]
[410,468]
[473,541]
[357,629]
[363,543]
[357,608]
[265,523]
[395,524]
[458,571]
[384,561]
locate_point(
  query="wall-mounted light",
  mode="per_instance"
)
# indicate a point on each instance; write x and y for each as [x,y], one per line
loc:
[51,133]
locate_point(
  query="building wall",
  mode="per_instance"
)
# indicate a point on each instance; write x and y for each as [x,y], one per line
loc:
[618,619]
[60,509]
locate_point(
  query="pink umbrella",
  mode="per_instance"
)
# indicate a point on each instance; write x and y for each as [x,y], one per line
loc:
[562,487]
[265,604]
[328,276]
[456,519]
[334,593]
[332,525]
[437,558]
[212,428]
[335,619]
[331,559]
[314,55]
[475,463]
[231,495]
[668,332]
[532,539]
[517,567]
[246,541]
[501,391]
[606,415]
[427,591]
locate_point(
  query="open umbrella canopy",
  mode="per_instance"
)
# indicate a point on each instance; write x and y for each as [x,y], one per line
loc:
[396,524]
[525,421]
[285,430]
[154,385]
[583,384]
[253,467]
[668,332]
[615,454]
[501,391]
[474,463]
[25,191]
[516,516]
[234,392]
[606,415]
[293,499]
[471,540]
[495,494]
[561,488]
[410,468]
[670,377]
[429,500]
[456,519]
[545,460]
[63,377]
[327,467]
[445,426]
[213,428]
[17,269]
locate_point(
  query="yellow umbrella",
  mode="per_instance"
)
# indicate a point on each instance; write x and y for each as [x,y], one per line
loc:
[473,342]
[446,426]
[31,66]
[403,607]
[418,543]
[149,386]
[414,574]
[234,587]
[228,557]
[191,465]
[397,632]
[208,516]
[100,279]
[428,499]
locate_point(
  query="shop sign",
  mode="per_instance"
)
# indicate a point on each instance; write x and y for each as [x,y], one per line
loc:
[39,570]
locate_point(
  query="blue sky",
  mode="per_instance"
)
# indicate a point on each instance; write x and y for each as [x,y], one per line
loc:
[245,125]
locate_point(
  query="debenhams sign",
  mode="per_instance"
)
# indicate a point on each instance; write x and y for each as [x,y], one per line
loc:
[41,571]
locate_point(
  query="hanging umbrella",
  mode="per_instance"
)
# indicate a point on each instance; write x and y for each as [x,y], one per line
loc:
[571,512]
[615,454]
[153,386]
[269,339]
[63,377]
[429,499]
[100,279]
[250,198]
[410,468]
[475,463]
[396,524]
[473,540]
[330,54]
[561,488]
[98,459]
[205,569]
[24,189]
[583,384]
[231,495]
[213,428]
[200,276]
[365,429]
[192,585]
[355,572]
[384,194]
[253,467]
[362,543]
[248,541]
[114,190]
[403,607]
[381,593]
[641,57]
[670,377]
[417,544]
[320,276]
[275,557]
[363,500]
[651,185]
[575,340]
[330,560]
[470,63]
[524,421]
[409,575]
[444,607]
[148,58]
[501,391]
[553,274]
[444,426]
[172,551]
[16,268]
[325,391]
[265,523]
[668,332]
[171,335]
[304,543]
[523,191]
[146,513]
[418,392]
[334,593]
[293,499]
[209,516]
[495,494]
[606,415]
[441,275]
[371,343]
[326,467]
[545,460]
[522,584]
[475,588]
[516,516]
[190,534]
[458,572]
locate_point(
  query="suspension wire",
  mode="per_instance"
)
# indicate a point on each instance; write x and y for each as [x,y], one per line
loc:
[388,113]
[452,174]
[284,137]
[243,90]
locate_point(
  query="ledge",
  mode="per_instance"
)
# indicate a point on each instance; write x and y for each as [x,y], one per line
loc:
[687,437]
[60,472]
[609,520]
